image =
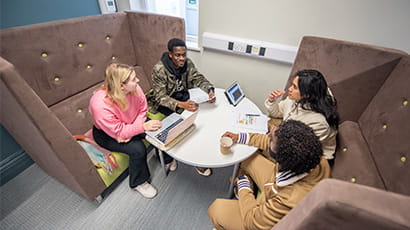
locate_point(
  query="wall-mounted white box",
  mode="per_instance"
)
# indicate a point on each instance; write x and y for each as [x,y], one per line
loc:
[254,48]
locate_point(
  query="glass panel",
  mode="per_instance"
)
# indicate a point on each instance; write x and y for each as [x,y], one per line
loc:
[187,9]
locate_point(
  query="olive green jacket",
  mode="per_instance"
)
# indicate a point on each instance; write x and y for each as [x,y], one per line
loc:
[164,85]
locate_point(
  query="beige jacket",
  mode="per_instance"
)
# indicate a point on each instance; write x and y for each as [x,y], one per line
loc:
[288,109]
[276,200]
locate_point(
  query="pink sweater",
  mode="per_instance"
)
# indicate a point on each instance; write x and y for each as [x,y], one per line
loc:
[116,122]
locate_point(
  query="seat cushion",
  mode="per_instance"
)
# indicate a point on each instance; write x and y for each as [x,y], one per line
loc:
[353,159]
[156,116]
[123,161]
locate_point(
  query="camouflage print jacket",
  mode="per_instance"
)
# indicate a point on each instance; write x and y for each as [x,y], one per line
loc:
[164,85]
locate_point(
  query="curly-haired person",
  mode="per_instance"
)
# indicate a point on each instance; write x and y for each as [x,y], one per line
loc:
[299,166]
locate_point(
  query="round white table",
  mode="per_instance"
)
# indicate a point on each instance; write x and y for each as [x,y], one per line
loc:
[201,147]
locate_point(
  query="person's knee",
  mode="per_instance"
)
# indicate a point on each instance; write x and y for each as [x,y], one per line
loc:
[138,155]
[137,151]
[213,208]
[216,212]
[245,165]
[251,163]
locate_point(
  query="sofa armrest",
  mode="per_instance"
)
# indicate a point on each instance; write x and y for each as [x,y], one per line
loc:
[43,136]
[335,204]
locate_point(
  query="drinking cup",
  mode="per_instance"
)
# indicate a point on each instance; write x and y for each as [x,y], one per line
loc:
[226,144]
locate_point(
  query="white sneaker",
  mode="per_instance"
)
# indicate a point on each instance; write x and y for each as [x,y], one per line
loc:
[172,166]
[204,171]
[146,190]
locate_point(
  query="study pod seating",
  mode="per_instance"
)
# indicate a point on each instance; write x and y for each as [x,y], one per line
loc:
[370,185]
[49,72]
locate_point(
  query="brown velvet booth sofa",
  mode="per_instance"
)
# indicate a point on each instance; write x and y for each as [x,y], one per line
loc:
[49,72]
[370,188]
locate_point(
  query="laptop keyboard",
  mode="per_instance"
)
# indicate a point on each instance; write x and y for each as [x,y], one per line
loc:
[162,136]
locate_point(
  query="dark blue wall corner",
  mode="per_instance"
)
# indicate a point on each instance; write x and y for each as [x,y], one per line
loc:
[13,159]
[25,12]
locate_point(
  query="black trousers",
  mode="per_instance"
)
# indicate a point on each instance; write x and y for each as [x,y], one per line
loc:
[135,149]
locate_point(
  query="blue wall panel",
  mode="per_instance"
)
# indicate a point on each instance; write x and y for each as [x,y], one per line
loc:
[25,12]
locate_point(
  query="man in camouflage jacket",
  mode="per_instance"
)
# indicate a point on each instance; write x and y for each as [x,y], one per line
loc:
[172,76]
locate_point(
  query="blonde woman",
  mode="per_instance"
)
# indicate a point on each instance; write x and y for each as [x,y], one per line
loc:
[119,110]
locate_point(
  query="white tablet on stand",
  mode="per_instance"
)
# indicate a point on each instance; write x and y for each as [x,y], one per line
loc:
[234,93]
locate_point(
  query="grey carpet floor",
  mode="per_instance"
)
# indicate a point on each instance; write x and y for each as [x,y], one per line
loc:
[34,200]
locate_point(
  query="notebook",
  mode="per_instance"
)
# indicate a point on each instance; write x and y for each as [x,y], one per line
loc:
[172,127]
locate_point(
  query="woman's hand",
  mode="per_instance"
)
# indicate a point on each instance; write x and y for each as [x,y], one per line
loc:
[233,136]
[152,125]
[275,94]
[120,140]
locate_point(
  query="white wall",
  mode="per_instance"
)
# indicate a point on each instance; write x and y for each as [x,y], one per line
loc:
[378,22]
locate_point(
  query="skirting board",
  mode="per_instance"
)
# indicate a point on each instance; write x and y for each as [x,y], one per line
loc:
[14,164]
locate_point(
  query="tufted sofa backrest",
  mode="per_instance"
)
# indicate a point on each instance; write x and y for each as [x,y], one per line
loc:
[64,61]
[49,71]
[371,85]
[61,58]
[150,39]
[386,127]
[353,77]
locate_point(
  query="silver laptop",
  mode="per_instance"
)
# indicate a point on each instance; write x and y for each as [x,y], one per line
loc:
[172,127]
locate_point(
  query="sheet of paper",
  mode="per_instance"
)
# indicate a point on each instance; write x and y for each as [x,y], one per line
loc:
[254,121]
[198,95]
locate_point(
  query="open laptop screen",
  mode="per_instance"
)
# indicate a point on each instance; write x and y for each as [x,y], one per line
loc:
[172,126]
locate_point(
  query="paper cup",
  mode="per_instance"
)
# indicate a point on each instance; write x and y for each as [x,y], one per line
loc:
[226,143]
